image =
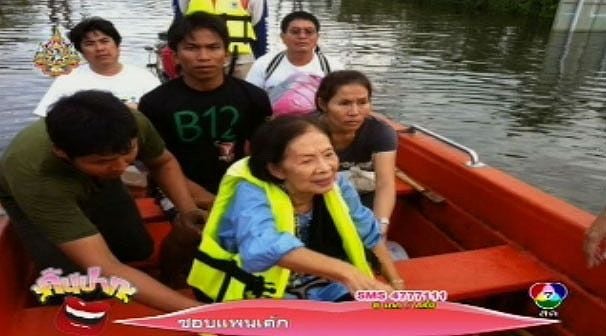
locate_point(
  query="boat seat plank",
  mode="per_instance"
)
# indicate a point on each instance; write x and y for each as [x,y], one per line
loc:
[474,274]
[403,188]
[158,231]
[158,228]
[150,210]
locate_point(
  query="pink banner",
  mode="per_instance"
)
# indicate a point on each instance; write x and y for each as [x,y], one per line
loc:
[299,317]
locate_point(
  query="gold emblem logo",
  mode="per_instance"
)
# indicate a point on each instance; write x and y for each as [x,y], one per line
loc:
[57,56]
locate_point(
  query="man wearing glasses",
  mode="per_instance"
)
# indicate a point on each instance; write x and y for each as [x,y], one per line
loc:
[300,33]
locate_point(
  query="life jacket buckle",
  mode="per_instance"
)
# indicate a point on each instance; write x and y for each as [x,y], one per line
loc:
[258,288]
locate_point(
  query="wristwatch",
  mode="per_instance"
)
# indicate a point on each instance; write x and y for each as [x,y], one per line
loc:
[384,222]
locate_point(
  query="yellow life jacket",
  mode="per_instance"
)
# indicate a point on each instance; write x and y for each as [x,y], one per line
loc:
[218,274]
[239,22]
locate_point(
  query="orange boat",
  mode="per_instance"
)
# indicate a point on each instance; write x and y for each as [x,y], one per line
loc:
[472,230]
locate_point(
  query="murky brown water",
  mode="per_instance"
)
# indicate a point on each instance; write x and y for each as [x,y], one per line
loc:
[529,101]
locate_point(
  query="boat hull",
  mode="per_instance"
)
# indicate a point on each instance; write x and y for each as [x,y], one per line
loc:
[486,242]
[485,207]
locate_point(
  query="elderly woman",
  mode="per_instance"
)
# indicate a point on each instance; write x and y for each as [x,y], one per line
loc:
[286,225]
[365,145]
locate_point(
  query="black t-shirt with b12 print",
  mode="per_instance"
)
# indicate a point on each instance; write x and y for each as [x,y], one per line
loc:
[206,131]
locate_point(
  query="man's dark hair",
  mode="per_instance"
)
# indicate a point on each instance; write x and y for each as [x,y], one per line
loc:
[269,143]
[298,15]
[95,23]
[185,26]
[91,122]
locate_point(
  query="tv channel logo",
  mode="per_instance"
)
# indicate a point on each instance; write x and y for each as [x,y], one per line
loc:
[548,296]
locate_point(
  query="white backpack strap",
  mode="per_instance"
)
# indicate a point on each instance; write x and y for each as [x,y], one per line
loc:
[271,67]
[324,65]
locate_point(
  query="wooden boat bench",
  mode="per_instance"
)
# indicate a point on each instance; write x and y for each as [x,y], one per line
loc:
[403,189]
[474,273]
[150,211]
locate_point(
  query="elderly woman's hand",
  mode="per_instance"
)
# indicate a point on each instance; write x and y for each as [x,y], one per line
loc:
[397,284]
[355,280]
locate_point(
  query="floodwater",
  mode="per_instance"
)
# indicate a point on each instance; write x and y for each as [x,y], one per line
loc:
[529,101]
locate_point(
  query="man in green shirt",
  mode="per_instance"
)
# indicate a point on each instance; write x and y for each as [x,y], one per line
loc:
[60,184]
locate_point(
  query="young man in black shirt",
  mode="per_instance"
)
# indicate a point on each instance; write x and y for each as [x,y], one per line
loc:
[204,116]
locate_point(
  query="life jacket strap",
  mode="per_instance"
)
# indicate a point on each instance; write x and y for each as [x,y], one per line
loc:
[271,67]
[234,58]
[230,17]
[273,64]
[255,285]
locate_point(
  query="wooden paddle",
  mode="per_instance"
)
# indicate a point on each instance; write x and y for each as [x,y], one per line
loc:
[424,191]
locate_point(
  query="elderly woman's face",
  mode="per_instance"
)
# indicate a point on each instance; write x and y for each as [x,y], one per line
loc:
[310,164]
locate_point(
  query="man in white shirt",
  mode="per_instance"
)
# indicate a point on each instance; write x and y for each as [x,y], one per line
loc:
[99,42]
[300,34]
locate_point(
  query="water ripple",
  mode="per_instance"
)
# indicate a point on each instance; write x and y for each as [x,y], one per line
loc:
[530,101]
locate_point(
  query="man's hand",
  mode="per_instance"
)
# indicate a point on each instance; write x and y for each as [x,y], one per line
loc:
[179,248]
[594,240]
[191,221]
[201,196]
[204,202]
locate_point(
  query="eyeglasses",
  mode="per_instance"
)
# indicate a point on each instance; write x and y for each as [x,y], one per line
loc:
[304,31]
